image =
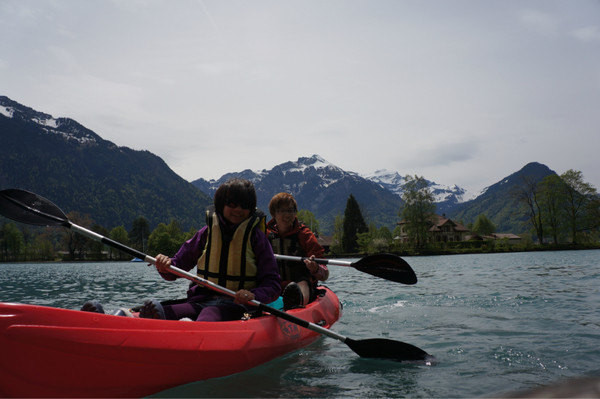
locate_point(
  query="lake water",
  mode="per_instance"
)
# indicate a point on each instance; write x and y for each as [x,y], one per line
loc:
[496,323]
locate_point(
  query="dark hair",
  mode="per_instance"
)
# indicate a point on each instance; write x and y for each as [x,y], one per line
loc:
[235,191]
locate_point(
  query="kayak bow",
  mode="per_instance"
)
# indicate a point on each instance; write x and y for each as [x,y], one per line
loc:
[50,352]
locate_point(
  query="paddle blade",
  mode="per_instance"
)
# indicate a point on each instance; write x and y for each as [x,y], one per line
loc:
[381,348]
[388,266]
[26,207]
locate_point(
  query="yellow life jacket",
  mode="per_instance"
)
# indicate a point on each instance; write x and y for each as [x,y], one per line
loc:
[230,261]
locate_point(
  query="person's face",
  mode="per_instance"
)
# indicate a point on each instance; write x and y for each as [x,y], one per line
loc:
[234,213]
[285,216]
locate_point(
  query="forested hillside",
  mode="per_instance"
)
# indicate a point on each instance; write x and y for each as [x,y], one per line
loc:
[499,201]
[79,171]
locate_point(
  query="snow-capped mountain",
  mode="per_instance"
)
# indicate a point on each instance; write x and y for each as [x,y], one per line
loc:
[393,181]
[320,187]
[64,127]
[323,188]
[63,161]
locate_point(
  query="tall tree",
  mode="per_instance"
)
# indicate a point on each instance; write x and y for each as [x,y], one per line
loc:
[76,243]
[551,190]
[140,231]
[42,248]
[593,216]
[119,234]
[338,233]
[354,223]
[309,219]
[166,239]
[12,242]
[528,194]
[418,208]
[96,247]
[578,195]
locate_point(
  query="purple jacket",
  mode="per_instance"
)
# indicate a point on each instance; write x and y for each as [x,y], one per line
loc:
[268,279]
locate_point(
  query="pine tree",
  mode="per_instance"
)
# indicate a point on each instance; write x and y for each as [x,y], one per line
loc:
[418,209]
[354,223]
[140,231]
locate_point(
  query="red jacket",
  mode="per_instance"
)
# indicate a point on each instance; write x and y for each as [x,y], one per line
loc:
[308,244]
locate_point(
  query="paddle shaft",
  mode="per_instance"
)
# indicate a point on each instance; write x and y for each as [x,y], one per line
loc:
[318,260]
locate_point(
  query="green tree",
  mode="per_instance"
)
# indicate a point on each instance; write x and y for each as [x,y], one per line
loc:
[76,243]
[338,233]
[382,241]
[42,248]
[578,195]
[354,223]
[166,239]
[375,240]
[483,226]
[96,247]
[119,234]
[593,217]
[11,242]
[552,198]
[365,240]
[418,209]
[139,233]
[528,195]
[309,219]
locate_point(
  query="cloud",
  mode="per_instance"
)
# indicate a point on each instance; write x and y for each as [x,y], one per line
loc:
[442,152]
[540,22]
[458,91]
[589,33]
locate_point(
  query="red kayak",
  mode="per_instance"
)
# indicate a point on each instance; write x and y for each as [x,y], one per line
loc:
[50,352]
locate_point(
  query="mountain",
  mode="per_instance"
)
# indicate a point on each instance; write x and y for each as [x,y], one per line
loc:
[319,187]
[498,203]
[323,189]
[79,171]
[446,197]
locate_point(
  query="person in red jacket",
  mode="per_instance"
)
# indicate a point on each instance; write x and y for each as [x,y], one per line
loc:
[288,236]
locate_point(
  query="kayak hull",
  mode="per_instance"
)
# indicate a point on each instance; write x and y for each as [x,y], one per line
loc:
[50,352]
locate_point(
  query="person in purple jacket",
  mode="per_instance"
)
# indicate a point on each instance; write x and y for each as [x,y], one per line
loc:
[232,251]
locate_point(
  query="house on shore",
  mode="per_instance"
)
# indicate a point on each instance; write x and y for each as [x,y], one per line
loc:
[443,229]
[509,237]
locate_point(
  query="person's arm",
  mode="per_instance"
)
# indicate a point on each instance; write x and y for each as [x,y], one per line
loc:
[268,279]
[311,247]
[187,256]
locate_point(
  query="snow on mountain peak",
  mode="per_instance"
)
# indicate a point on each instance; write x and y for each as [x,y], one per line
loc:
[315,161]
[68,129]
[6,111]
[49,122]
[385,176]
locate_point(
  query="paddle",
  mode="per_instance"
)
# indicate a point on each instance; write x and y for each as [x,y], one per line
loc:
[388,266]
[30,208]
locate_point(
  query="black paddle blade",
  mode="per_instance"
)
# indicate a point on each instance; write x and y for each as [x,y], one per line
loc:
[388,266]
[26,207]
[381,348]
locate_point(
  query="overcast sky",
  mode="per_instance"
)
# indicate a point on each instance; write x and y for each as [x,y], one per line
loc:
[460,92]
